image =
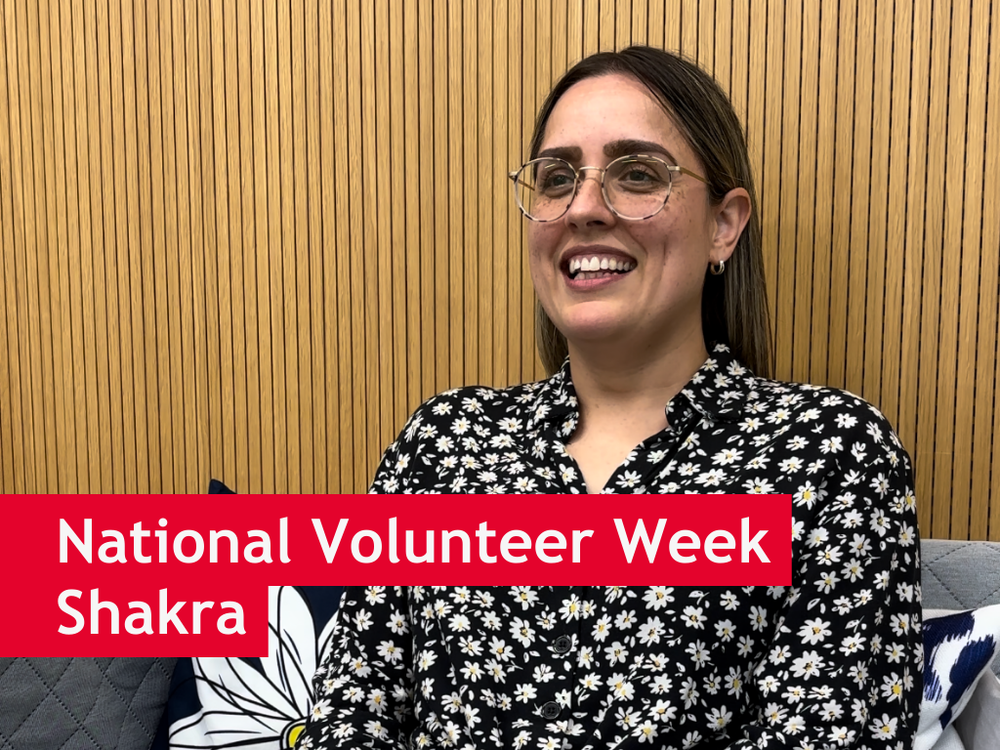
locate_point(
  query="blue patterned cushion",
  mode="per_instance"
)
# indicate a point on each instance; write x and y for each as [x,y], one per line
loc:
[958,649]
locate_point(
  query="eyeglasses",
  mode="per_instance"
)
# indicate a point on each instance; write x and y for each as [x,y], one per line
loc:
[635,187]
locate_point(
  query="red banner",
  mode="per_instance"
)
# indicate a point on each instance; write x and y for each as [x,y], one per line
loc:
[173,575]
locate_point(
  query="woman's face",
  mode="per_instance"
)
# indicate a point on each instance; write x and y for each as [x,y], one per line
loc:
[659,300]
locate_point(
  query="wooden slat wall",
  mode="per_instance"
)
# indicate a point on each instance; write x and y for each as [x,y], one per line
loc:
[245,238]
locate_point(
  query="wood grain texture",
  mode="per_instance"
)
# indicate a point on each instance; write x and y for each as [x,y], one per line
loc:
[245,239]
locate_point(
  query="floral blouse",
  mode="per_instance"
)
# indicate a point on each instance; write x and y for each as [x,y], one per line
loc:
[832,661]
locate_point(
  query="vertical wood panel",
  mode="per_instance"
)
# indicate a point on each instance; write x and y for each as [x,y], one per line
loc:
[36,269]
[331,238]
[381,303]
[144,220]
[248,218]
[967,510]
[344,267]
[785,263]
[57,444]
[274,249]
[19,320]
[245,239]
[263,474]
[487,178]
[395,123]
[185,372]
[302,247]
[770,128]
[11,449]
[896,187]
[827,173]
[986,493]
[285,248]
[913,309]
[468,258]
[517,152]
[127,475]
[806,241]
[425,164]
[930,454]
[842,199]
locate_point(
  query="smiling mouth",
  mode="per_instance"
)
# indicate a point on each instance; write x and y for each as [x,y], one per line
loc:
[583,268]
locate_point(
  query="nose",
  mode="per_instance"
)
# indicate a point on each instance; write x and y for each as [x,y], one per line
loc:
[589,207]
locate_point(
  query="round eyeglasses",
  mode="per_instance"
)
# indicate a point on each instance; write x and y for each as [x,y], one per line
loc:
[635,187]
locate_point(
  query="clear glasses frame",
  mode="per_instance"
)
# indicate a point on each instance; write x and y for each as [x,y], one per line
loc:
[578,179]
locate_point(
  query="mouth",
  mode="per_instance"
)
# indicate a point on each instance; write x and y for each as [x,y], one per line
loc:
[592,266]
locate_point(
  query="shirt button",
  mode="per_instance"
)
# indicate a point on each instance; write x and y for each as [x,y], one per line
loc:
[562,644]
[550,710]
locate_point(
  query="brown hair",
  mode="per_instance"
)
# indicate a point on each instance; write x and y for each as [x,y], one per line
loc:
[734,308]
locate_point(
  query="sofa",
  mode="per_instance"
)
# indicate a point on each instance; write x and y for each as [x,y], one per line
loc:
[116,703]
[960,575]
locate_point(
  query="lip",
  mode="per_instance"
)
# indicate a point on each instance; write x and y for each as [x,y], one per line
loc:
[589,285]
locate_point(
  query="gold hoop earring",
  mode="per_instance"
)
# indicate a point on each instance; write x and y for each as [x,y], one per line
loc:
[717,269]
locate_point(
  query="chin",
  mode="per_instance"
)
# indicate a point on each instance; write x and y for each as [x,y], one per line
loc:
[593,330]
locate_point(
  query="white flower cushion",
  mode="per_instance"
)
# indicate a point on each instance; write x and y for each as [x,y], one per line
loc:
[958,649]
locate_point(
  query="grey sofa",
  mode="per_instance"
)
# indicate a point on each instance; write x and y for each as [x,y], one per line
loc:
[80,703]
[116,704]
[960,575]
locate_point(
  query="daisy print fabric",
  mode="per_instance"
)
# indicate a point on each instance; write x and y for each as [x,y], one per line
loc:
[832,661]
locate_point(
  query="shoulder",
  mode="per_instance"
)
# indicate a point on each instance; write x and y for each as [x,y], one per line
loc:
[850,455]
[833,413]
[451,426]
[464,409]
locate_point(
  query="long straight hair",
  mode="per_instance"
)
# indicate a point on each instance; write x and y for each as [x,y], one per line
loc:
[734,308]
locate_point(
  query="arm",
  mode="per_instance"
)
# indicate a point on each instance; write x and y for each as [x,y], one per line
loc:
[845,662]
[400,470]
[364,686]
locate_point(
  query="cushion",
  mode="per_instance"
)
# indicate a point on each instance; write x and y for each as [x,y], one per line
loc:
[254,702]
[958,649]
[77,703]
[979,724]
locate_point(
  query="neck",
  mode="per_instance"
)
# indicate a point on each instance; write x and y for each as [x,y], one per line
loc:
[627,384]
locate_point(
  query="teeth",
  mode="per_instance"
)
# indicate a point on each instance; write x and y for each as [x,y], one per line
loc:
[595,263]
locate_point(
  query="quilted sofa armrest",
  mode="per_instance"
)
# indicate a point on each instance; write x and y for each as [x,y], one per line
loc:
[78,703]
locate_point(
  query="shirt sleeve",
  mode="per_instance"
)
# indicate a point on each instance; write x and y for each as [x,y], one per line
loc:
[844,666]
[402,466]
[364,685]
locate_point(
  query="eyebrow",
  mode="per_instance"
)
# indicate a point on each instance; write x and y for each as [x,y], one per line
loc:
[612,150]
[628,146]
[567,153]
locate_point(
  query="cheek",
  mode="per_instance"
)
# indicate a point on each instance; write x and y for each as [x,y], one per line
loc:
[542,244]
[678,236]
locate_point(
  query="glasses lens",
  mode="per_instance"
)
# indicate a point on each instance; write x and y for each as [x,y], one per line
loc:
[637,186]
[544,188]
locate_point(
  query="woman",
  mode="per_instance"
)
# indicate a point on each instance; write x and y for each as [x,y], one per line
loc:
[645,255]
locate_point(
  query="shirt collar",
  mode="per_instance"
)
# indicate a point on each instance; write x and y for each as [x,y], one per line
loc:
[721,387]
[718,391]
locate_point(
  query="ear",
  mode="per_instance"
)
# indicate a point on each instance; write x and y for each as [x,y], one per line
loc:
[731,216]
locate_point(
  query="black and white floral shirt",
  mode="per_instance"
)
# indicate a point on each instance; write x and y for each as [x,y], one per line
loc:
[832,661]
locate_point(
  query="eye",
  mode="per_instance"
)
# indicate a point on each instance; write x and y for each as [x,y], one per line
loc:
[555,179]
[640,175]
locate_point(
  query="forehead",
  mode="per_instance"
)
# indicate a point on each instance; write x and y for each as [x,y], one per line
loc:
[608,109]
